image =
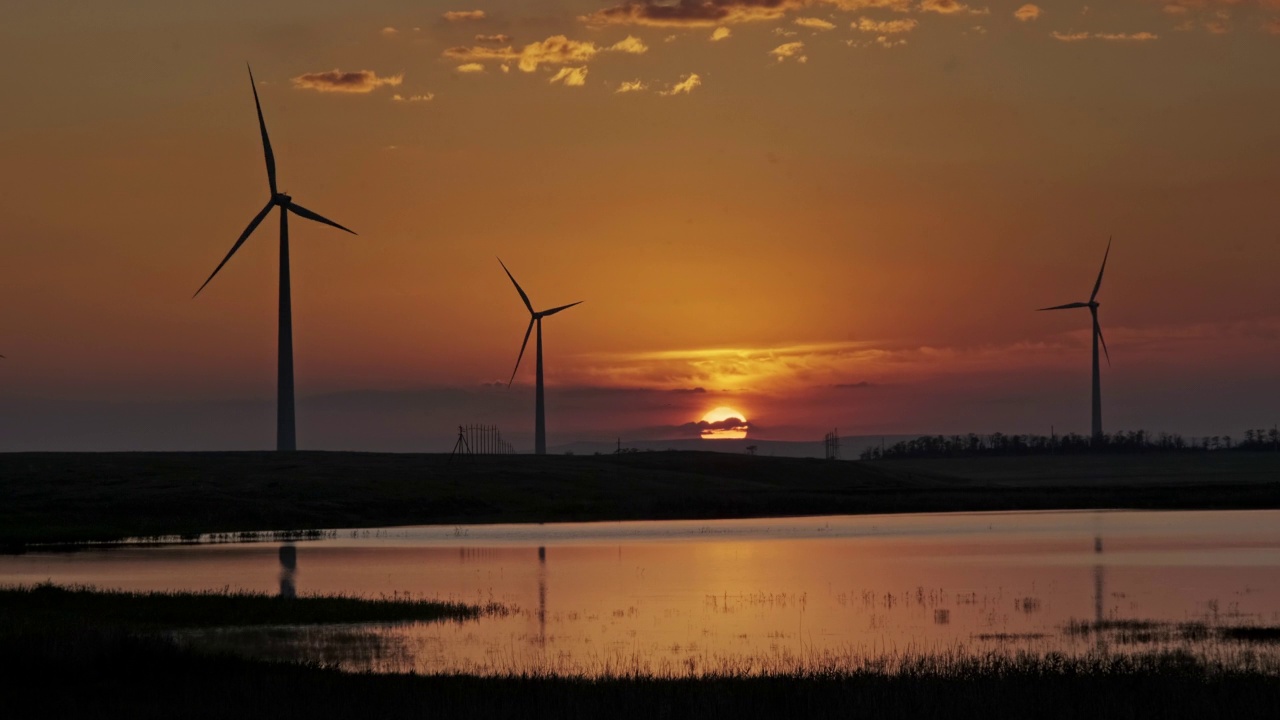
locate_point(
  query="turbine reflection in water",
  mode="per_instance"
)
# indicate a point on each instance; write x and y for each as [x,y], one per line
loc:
[288,570]
[542,596]
[1099,584]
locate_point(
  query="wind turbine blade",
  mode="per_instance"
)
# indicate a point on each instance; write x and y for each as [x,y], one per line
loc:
[303,212]
[553,311]
[266,141]
[243,236]
[1098,329]
[523,345]
[519,289]
[1098,284]
[1068,306]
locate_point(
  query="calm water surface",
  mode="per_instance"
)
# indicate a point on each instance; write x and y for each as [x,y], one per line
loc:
[692,596]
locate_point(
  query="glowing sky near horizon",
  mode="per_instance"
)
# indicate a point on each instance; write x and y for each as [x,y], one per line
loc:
[830,213]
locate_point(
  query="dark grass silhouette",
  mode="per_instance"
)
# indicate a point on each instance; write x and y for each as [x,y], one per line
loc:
[90,672]
[50,605]
[1134,441]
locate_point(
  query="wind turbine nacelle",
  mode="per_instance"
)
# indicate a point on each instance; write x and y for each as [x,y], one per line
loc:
[283,199]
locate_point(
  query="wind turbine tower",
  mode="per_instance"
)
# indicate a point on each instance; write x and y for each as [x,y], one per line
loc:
[286,435]
[540,412]
[1097,337]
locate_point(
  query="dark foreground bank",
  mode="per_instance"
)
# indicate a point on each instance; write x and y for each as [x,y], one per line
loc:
[86,497]
[104,675]
[104,655]
[47,606]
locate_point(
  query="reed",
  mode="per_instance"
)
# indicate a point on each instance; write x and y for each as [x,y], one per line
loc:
[47,604]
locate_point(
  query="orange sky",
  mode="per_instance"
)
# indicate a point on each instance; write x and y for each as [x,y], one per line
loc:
[845,226]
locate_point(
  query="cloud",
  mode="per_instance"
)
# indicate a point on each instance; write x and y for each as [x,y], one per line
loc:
[359,81]
[735,368]
[631,86]
[499,39]
[573,77]
[814,23]
[691,13]
[885,27]
[470,68]
[1182,7]
[463,15]
[853,5]
[389,32]
[555,50]
[685,86]
[945,7]
[1215,15]
[713,13]
[630,45]
[702,427]
[1027,13]
[1137,37]
[720,33]
[1127,37]
[854,386]
[425,97]
[791,50]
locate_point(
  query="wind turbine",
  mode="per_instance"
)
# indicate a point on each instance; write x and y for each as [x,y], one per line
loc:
[1097,336]
[286,437]
[540,417]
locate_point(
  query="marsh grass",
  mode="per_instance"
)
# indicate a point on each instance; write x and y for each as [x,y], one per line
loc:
[75,653]
[52,604]
[110,674]
[1143,632]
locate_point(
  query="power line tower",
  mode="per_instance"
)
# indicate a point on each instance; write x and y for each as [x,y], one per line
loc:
[831,446]
[481,440]
[461,446]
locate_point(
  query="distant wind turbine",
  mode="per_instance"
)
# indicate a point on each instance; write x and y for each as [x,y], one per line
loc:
[540,418]
[286,436]
[1097,336]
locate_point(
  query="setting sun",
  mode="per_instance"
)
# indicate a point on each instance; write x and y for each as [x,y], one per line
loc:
[724,423]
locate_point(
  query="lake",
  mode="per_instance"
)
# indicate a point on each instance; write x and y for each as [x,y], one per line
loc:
[688,597]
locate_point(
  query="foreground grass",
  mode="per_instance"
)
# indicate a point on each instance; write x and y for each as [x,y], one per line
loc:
[71,653]
[47,605]
[88,497]
[108,675]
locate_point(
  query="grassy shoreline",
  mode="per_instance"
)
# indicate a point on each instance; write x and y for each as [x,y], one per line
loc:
[103,497]
[47,605]
[107,675]
[109,657]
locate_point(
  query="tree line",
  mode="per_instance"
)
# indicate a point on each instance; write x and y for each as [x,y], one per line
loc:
[1134,441]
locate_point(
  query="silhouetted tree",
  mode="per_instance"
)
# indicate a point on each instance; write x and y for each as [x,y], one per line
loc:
[1135,441]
